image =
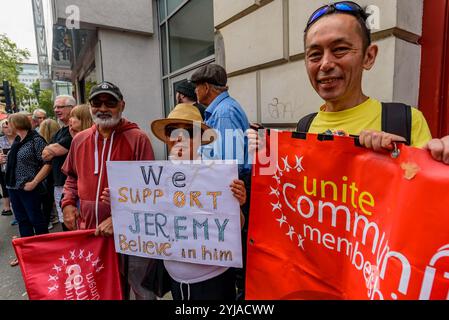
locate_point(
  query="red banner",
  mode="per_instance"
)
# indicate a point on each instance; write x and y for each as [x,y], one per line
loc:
[331,220]
[69,266]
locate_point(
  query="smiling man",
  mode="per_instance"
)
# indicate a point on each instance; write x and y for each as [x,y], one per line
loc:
[338,51]
[112,138]
[57,151]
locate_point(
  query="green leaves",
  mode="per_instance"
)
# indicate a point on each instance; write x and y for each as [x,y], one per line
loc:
[10,59]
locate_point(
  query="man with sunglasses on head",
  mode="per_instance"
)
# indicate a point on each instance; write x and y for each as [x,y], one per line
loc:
[59,147]
[338,50]
[111,138]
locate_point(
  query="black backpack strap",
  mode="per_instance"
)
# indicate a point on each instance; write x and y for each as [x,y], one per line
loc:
[397,119]
[305,123]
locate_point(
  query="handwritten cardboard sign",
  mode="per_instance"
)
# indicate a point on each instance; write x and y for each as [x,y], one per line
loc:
[182,211]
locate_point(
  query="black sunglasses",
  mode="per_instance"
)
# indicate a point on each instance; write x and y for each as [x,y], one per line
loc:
[343,6]
[110,103]
[170,129]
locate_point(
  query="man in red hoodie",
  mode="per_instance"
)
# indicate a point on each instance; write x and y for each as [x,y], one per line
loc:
[112,138]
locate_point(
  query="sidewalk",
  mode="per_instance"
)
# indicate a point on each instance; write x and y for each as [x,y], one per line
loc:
[11,282]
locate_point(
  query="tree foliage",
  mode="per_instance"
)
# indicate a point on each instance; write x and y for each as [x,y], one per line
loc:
[44,98]
[46,102]
[11,58]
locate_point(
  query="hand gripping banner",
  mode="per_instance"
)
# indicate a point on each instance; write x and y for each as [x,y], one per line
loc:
[69,266]
[331,220]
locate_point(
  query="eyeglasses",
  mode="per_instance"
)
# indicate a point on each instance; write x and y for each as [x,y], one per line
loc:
[170,129]
[62,107]
[343,6]
[97,103]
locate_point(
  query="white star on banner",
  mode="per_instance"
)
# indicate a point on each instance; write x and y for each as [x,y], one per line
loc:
[57,268]
[81,255]
[100,268]
[89,256]
[54,288]
[72,255]
[277,206]
[53,278]
[282,220]
[301,242]
[63,260]
[299,164]
[94,264]
[274,192]
[291,233]
[287,166]
[279,171]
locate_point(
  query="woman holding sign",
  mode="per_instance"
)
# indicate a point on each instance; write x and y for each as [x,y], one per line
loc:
[195,281]
[184,132]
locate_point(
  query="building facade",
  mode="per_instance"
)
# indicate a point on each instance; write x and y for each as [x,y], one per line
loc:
[29,74]
[147,46]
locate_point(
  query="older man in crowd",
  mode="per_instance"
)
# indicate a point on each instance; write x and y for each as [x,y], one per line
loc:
[227,116]
[57,151]
[113,138]
[39,115]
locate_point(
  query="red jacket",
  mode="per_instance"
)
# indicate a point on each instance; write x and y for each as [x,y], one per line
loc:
[85,167]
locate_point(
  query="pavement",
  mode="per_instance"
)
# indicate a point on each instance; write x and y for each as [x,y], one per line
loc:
[11,281]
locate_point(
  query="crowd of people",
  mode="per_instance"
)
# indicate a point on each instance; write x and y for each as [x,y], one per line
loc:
[60,166]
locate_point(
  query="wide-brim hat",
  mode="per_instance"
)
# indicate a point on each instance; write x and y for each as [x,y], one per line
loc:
[183,114]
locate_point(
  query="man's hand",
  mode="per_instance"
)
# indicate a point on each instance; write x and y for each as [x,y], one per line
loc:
[255,141]
[106,196]
[379,141]
[439,149]
[238,191]
[30,186]
[47,154]
[105,228]
[70,215]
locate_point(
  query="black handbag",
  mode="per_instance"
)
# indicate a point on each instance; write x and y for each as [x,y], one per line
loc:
[157,279]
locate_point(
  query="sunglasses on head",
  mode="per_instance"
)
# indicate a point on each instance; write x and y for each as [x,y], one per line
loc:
[110,103]
[343,6]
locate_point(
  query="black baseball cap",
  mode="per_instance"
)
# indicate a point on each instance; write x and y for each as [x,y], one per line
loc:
[108,88]
[211,73]
[186,88]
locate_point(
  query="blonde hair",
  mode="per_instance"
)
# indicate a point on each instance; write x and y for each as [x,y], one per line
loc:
[82,113]
[48,129]
[20,121]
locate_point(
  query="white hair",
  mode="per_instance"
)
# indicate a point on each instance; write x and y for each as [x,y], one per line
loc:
[35,112]
[69,99]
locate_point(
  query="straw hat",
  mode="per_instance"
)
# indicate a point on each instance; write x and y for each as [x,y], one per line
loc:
[181,114]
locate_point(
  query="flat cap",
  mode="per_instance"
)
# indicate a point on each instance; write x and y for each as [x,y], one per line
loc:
[211,73]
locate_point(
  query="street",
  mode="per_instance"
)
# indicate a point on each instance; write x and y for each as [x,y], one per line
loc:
[11,282]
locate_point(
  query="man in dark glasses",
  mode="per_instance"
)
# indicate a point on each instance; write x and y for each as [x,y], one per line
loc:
[338,50]
[112,138]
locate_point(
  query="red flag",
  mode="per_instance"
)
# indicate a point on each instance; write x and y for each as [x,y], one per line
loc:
[69,266]
[336,221]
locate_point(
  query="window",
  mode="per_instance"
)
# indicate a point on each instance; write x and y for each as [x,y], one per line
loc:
[187,41]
